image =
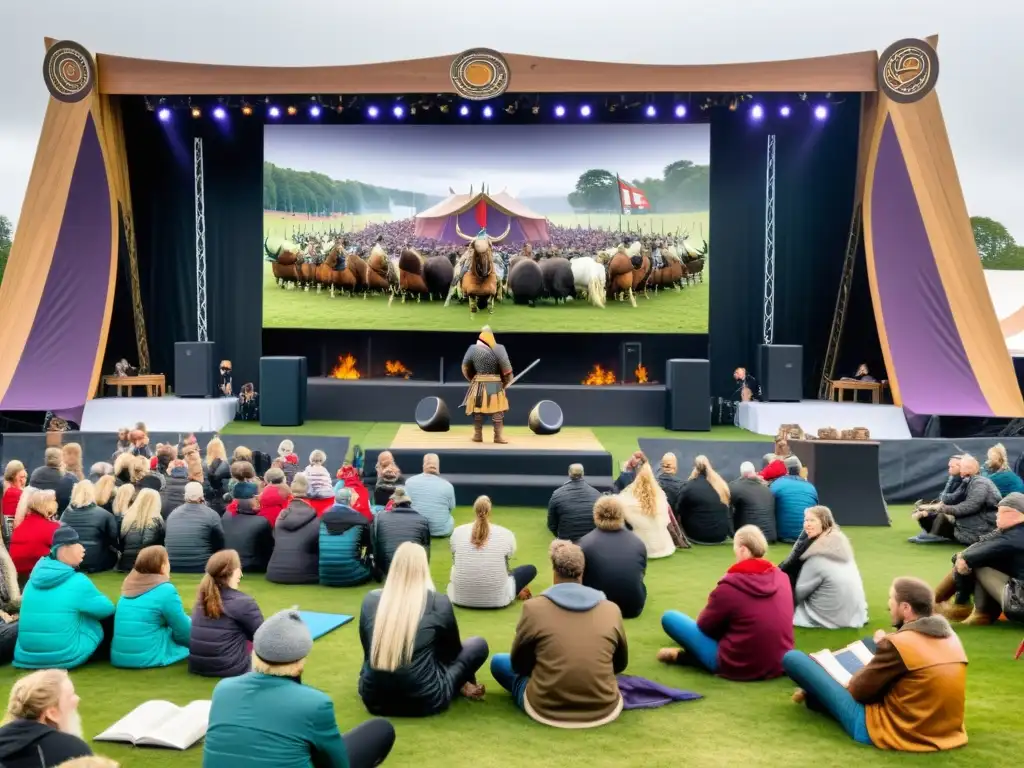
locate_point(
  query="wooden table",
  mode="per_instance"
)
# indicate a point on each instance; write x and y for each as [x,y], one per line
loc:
[153,382]
[837,387]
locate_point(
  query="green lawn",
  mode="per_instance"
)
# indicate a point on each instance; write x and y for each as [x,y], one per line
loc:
[735,725]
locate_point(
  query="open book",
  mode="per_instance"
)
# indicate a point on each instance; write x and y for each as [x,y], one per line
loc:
[842,664]
[161,724]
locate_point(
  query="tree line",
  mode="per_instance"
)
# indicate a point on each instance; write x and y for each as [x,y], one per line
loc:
[6,240]
[996,246]
[291,191]
[683,187]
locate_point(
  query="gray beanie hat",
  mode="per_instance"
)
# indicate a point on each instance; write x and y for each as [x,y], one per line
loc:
[792,462]
[284,638]
[1013,500]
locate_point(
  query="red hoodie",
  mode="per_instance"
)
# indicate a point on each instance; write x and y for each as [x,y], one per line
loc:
[774,470]
[750,614]
[30,541]
[10,501]
[272,502]
[350,476]
[320,505]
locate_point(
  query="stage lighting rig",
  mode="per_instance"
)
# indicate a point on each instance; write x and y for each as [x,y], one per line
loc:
[292,111]
[246,108]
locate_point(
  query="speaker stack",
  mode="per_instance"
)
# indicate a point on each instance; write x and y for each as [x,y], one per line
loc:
[688,395]
[194,368]
[282,391]
[432,415]
[780,367]
[546,418]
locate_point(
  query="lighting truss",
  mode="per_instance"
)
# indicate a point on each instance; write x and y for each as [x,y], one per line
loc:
[200,201]
[769,242]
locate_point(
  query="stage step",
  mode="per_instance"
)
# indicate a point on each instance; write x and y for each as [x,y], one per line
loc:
[514,490]
[496,461]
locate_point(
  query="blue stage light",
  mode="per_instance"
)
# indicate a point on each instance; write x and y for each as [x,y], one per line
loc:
[785,111]
[372,112]
[680,110]
[820,112]
[651,111]
[488,112]
[756,112]
[274,112]
[398,112]
[220,113]
[585,110]
[464,111]
[559,111]
[314,111]
[164,114]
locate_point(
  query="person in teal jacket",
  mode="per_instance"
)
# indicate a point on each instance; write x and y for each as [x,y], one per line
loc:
[997,469]
[60,625]
[346,544]
[269,719]
[151,628]
[793,495]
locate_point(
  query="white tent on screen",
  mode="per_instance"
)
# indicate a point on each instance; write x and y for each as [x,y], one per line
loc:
[459,217]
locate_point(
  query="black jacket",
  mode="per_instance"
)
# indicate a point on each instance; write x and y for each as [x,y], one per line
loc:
[422,687]
[30,744]
[702,515]
[296,557]
[672,485]
[219,647]
[217,476]
[135,541]
[394,528]
[172,495]
[382,489]
[571,510]
[616,562]
[975,514]
[753,504]
[625,478]
[98,532]
[250,535]
[1002,550]
[52,479]
[194,533]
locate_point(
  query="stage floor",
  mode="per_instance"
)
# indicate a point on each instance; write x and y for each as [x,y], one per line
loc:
[159,414]
[885,422]
[409,436]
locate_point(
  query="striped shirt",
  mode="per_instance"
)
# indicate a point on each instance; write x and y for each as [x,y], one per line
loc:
[480,577]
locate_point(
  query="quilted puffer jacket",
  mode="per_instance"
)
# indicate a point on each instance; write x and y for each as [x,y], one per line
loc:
[98,531]
[392,529]
[571,510]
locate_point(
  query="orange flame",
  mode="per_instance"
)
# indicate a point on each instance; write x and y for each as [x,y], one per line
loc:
[641,374]
[346,368]
[599,377]
[396,368]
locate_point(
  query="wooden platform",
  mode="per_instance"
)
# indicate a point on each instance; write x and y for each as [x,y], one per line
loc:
[409,436]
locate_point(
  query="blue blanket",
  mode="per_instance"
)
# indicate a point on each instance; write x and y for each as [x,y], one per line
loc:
[641,693]
[322,623]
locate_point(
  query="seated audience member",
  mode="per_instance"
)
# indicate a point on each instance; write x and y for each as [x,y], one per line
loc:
[997,469]
[142,476]
[481,551]
[269,719]
[829,592]
[124,445]
[194,470]
[571,507]
[151,628]
[172,495]
[42,726]
[100,469]
[140,443]
[435,496]
[105,487]
[967,520]
[123,464]
[97,529]
[793,494]
[703,510]
[166,454]
[289,460]
[32,537]
[64,618]
[669,480]
[10,605]
[911,695]
[15,480]
[346,544]
[52,477]
[569,646]
[747,625]
[318,477]
[647,513]
[389,477]
[752,502]
[141,526]
[275,496]
[218,472]
[247,532]
[349,477]
[295,559]
[71,458]
[955,489]
[414,662]
[616,558]
[396,526]
[747,387]
[123,498]
[772,468]
[194,532]
[224,620]
[984,569]
[242,474]
[628,473]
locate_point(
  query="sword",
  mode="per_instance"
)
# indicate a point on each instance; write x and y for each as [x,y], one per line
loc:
[523,372]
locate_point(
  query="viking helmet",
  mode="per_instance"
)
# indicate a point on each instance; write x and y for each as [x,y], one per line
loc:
[482,238]
[487,336]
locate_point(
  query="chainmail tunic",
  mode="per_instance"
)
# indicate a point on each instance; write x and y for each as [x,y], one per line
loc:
[485,361]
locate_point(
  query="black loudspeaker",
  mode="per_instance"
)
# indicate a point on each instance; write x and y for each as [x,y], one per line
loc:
[688,395]
[195,368]
[546,418]
[282,391]
[432,415]
[781,371]
[630,352]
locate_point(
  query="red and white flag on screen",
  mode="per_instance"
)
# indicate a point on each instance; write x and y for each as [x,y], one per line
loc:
[632,197]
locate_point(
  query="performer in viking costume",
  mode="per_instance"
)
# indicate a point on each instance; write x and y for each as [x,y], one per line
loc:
[487,369]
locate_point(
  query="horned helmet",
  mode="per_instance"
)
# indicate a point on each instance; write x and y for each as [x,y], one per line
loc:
[483,242]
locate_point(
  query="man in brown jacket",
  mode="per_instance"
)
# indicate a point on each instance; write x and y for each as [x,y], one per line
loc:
[911,695]
[569,646]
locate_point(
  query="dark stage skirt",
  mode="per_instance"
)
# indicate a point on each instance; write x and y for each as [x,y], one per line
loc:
[486,395]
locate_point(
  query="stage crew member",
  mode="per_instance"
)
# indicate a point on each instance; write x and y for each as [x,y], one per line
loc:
[487,368]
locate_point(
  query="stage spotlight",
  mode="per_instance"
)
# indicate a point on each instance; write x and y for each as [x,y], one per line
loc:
[585,110]
[246,110]
[314,111]
[274,112]
[651,111]
[535,109]
[785,111]
[292,111]
[559,111]
[196,112]
[372,112]
[820,112]
[757,112]
[464,111]
[488,112]
[680,110]
[220,113]
[164,114]
[398,112]
[444,109]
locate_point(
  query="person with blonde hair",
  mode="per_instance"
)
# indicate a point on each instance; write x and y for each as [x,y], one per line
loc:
[669,480]
[269,717]
[703,510]
[571,507]
[151,628]
[123,467]
[15,480]
[481,552]
[42,726]
[616,558]
[414,661]
[389,477]
[218,472]
[318,476]
[141,525]
[10,605]
[747,625]
[647,512]
[90,762]
[142,476]
[105,489]
[32,537]
[569,646]
[97,528]
[997,469]
[52,477]
[289,460]
[435,496]
[123,498]
[224,620]
[71,456]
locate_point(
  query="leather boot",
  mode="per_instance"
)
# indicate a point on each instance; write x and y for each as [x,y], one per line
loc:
[946,588]
[478,427]
[499,423]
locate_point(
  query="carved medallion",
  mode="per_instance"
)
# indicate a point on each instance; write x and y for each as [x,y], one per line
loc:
[69,71]
[480,74]
[908,70]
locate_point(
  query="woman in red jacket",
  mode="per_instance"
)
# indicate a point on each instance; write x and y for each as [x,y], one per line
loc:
[33,536]
[276,495]
[15,479]
[348,477]
[746,627]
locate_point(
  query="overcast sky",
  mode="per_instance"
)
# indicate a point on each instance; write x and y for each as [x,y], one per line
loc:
[527,161]
[982,64]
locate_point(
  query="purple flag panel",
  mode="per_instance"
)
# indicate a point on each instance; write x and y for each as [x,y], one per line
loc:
[934,374]
[55,369]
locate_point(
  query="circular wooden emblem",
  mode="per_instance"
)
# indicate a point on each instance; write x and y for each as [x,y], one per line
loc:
[480,74]
[68,71]
[908,70]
